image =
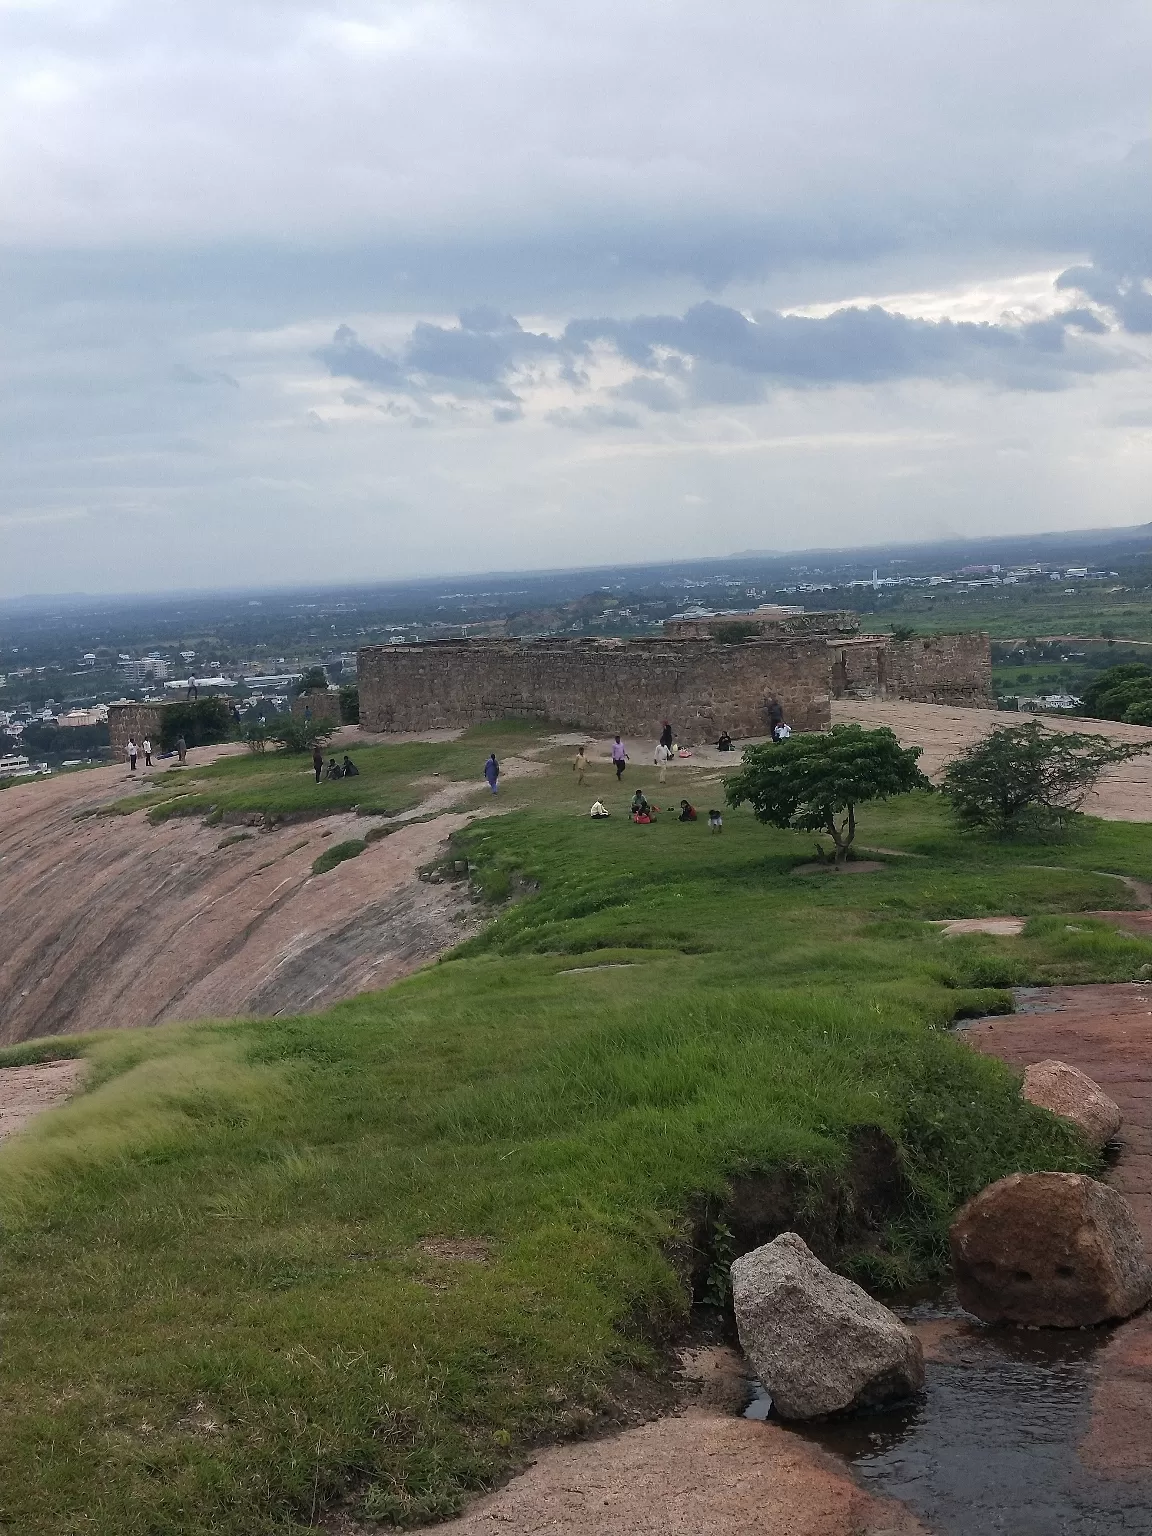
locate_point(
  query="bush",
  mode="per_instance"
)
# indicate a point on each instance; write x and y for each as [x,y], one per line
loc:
[338,852]
[807,781]
[297,735]
[349,705]
[1024,778]
[256,735]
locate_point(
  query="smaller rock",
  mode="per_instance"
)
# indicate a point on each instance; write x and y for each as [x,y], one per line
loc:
[1071,1094]
[1052,1250]
[818,1342]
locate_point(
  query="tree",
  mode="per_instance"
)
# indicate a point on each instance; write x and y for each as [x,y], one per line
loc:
[314,680]
[808,781]
[1024,778]
[1121,693]
[349,704]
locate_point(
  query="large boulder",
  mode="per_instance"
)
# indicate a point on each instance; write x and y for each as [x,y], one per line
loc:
[1053,1249]
[1072,1095]
[819,1343]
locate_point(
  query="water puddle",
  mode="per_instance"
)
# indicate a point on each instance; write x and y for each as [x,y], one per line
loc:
[991,1445]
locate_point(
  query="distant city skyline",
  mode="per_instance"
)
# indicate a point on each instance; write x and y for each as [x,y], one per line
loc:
[350,290]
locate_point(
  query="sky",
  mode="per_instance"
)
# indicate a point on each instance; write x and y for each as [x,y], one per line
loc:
[297,291]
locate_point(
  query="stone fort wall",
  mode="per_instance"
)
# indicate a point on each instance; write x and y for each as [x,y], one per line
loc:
[927,669]
[702,686]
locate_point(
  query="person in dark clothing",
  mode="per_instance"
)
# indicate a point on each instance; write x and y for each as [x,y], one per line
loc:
[492,773]
[333,770]
[181,749]
[775,714]
[725,742]
[350,769]
[687,812]
[318,762]
[666,736]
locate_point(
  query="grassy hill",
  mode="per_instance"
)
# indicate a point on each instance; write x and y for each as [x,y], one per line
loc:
[374,1255]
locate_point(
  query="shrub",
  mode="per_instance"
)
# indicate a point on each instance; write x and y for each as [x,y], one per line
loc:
[256,735]
[298,735]
[338,852]
[349,705]
[1024,778]
[807,781]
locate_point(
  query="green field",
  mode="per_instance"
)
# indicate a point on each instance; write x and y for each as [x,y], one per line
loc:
[377,1254]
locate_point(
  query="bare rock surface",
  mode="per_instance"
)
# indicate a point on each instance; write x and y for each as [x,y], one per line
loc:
[1055,1250]
[819,1343]
[26,1092]
[1071,1094]
[700,1473]
[112,923]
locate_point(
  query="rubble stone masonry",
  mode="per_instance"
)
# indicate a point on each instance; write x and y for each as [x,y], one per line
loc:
[702,686]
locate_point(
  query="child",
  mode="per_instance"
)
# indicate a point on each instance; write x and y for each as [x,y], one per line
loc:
[715,821]
[599,811]
[580,764]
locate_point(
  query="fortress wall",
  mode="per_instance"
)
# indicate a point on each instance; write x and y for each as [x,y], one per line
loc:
[702,686]
[135,720]
[780,624]
[324,706]
[941,669]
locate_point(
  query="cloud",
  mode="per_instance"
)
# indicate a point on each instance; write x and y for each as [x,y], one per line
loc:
[593,418]
[1124,294]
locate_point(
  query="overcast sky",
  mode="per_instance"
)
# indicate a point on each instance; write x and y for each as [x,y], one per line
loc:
[304,291]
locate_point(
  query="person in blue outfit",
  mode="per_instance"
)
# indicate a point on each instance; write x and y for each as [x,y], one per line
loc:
[492,772]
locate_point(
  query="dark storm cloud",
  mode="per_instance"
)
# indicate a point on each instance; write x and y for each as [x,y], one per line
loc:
[724,356]
[1124,294]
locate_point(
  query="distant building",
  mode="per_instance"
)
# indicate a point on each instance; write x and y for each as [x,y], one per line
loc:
[149,668]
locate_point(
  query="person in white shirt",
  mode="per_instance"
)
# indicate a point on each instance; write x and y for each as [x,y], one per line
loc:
[147,750]
[781,732]
[661,757]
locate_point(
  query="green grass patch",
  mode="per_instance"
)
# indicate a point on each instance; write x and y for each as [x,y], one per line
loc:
[229,1291]
[338,854]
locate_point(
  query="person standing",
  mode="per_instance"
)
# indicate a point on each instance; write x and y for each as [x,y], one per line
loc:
[147,747]
[775,715]
[492,772]
[663,753]
[619,757]
[666,737]
[317,761]
[580,764]
[181,749]
[132,754]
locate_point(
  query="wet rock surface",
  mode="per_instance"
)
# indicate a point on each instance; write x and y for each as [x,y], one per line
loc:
[1054,1250]
[818,1342]
[1066,1091]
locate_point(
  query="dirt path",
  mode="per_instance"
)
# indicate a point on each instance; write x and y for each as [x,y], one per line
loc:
[1106,1031]
[112,923]
[1124,793]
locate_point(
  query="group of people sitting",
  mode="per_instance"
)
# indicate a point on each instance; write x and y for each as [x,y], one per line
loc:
[333,770]
[643,812]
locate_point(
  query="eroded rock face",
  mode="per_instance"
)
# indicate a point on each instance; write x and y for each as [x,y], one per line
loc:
[1054,1249]
[1072,1095]
[818,1342]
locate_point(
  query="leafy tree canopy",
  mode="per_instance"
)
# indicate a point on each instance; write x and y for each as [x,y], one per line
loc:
[1121,693]
[314,680]
[1024,778]
[297,735]
[809,781]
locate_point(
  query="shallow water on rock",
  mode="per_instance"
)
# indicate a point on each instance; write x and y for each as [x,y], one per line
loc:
[991,1445]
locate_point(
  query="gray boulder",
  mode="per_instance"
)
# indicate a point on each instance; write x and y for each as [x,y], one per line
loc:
[1056,1250]
[818,1342]
[1070,1093]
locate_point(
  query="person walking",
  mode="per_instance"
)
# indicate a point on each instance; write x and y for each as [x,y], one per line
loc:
[580,764]
[620,758]
[492,772]
[663,753]
[181,749]
[147,747]
[131,754]
[666,737]
[318,762]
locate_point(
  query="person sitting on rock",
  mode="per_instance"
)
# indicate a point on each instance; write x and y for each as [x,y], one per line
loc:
[687,811]
[349,768]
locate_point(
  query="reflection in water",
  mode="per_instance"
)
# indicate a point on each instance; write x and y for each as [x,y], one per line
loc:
[990,1447]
